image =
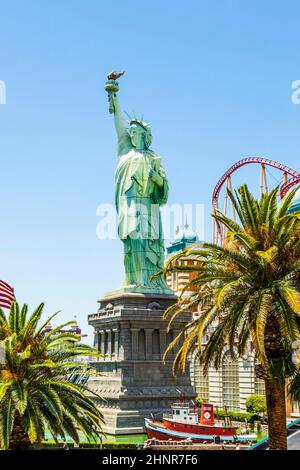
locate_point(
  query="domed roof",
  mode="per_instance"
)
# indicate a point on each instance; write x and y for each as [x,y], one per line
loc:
[183,239]
[295,206]
[186,235]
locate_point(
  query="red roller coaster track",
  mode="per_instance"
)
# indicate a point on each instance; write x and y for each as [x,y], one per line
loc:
[294,175]
[288,184]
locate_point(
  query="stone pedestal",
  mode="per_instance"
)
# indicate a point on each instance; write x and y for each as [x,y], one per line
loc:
[131,335]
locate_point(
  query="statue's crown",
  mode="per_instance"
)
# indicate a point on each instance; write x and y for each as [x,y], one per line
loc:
[134,120]
[141,123]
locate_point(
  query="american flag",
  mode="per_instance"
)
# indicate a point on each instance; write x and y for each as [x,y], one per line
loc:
[7,295]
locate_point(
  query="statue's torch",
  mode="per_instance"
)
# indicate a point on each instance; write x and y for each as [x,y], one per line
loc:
[112,87]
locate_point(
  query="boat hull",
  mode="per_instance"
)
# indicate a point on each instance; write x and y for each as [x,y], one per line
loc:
[161,432]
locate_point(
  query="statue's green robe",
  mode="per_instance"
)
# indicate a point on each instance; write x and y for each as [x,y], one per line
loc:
[138,200]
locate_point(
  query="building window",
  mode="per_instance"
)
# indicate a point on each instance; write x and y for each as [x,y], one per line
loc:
[230,378]
[200,381]
[296,407]
[174,281]
[259,386]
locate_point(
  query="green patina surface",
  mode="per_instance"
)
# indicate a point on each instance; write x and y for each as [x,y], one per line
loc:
[141,188]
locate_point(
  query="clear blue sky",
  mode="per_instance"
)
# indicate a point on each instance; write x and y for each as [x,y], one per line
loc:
[214,79]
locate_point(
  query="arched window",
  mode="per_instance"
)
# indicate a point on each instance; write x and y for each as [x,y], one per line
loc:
[230,379]
[142,344]
[199,381]
[155,344]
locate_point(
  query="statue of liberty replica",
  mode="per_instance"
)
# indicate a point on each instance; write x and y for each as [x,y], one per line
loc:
[141,188]
[129,331]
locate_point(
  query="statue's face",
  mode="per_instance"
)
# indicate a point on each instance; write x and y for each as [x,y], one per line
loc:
[137,134]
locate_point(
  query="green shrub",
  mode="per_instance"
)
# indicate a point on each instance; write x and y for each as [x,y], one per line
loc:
[256,404]
[237,416]
[199,401]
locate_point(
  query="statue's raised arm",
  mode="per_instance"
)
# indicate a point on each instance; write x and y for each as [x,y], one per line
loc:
[112,87]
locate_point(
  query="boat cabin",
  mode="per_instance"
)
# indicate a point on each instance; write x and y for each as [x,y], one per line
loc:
[182,413]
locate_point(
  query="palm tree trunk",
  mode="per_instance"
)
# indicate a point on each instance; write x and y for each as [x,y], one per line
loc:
[19,439]
[275,395]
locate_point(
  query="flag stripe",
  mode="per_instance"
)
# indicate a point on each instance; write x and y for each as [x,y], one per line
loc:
[5,304]
[5,284]
[5,289]
[7,295]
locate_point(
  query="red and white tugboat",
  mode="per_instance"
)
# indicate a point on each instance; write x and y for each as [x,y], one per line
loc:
[184,423]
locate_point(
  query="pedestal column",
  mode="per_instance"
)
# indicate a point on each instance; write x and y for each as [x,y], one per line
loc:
[163,342]
[177,347]
[148,333]
[135,343]
[109,343]
[116,334]
[101,342]
[96,340]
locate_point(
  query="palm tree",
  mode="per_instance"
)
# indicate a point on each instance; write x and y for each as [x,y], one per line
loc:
[249,291]
[36,393]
